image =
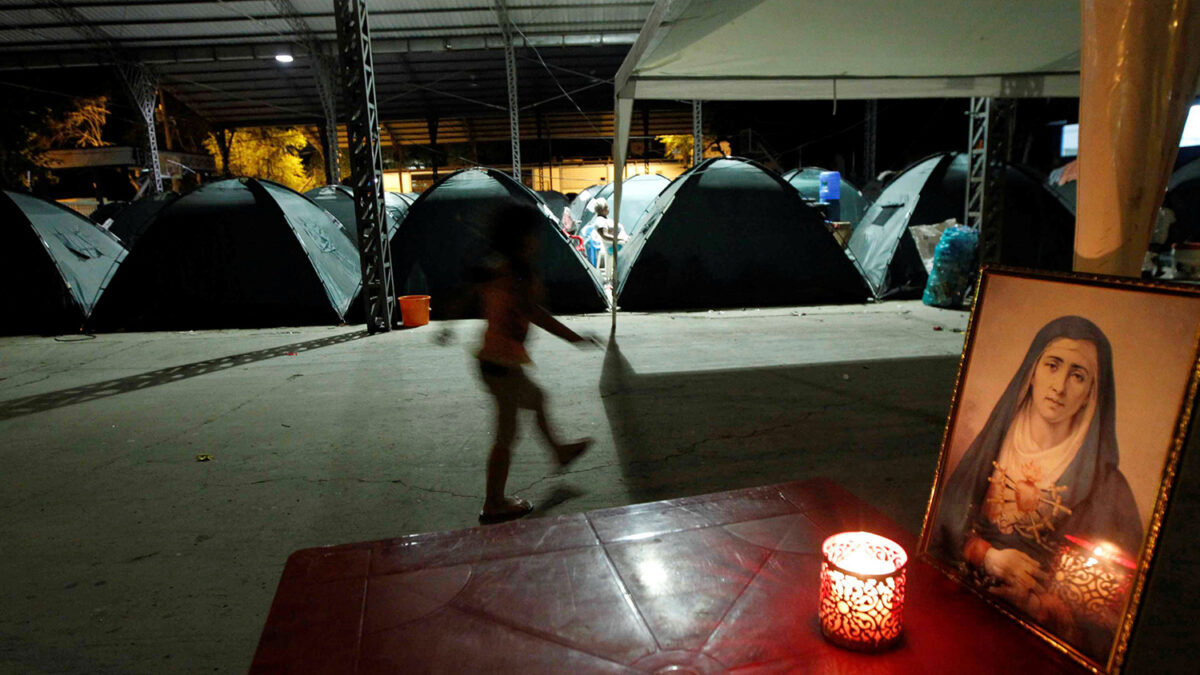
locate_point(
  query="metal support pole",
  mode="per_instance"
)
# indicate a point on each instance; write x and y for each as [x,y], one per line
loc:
[977,138]
[326,75]
[329,149]
[871,141]
[138,78]
[510,72]
[646,138]
[143,90]
[990,135]
[697,134]
[366,161]
[431,123]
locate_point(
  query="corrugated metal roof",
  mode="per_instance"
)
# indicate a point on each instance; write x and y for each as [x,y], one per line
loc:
[432,57]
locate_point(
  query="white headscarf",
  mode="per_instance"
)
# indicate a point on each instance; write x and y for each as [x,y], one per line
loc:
[1021,458]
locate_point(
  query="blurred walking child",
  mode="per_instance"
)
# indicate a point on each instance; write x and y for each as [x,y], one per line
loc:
[510,294]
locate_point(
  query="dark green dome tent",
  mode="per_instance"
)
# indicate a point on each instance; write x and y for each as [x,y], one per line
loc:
[443,235]
[339,200]
[579,204]
[807,182]
[235,253]
[1039,231]
[555,201]
[131,221]
[54,265]
[637,194]
[732,233]
[107,212]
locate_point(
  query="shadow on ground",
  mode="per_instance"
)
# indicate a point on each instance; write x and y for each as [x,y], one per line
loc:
[863,424]
[90,392]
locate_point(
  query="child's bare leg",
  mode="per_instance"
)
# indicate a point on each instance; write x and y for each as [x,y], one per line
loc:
[563,452]
[501,455]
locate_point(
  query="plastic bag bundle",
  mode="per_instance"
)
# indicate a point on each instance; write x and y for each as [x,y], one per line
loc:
[955,261]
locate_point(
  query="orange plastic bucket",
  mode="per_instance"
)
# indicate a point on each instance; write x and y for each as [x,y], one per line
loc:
[414,309]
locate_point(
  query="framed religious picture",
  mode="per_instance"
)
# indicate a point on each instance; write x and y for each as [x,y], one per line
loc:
[1073,401]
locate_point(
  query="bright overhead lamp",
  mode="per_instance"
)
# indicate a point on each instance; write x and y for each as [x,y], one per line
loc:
[284,58]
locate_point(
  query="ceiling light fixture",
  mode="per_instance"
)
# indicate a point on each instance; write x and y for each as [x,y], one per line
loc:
[284,58]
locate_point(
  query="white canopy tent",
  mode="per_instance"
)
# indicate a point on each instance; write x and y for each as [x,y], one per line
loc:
[852,49]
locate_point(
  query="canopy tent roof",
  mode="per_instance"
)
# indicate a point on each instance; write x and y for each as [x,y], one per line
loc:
[714,50]
[338,200]
[807,182]
[1039,231]
[638,192]
[235,253]
[732,233]
[445,234]
[54,265]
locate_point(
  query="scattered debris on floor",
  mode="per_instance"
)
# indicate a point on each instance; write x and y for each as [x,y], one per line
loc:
[204,458]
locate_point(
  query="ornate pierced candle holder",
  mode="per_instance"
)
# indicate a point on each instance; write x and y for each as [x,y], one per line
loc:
[862,591]
[1093,579]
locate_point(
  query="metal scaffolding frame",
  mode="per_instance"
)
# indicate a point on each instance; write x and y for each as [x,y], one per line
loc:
[870,140]
[989,136]
[325,75]
[366,161]
[697,133]
[139,80]
[510,73]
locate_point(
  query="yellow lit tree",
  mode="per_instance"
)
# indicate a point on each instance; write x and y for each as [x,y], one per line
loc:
[679,146]
[81,125]
[272,153]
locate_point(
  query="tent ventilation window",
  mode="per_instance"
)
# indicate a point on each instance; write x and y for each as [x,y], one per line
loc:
[78,245]
[885,213]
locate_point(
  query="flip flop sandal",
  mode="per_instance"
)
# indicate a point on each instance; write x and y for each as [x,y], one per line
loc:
[519,509]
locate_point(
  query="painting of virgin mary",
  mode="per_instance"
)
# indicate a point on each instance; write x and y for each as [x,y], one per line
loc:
[1043,469]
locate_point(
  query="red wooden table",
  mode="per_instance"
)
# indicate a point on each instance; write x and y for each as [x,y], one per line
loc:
[716,583]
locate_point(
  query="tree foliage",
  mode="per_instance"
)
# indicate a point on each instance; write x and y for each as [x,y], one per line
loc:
[81,124]
[30,125]
[273,153]
[679,146]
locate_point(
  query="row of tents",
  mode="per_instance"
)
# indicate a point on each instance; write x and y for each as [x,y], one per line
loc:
[728,232]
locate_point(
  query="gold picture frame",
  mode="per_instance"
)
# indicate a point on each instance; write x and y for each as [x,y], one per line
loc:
[1037,505]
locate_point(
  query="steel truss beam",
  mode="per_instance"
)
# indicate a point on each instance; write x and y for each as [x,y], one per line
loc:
[139,81]
[510,73]
[325,75]
[697,134]
[989,137]
[366,161]
[871,140]
[142,88]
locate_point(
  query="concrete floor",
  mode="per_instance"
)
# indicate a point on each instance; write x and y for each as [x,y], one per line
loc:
[122,553]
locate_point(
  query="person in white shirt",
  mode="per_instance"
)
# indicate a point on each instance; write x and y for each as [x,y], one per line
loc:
[604,231]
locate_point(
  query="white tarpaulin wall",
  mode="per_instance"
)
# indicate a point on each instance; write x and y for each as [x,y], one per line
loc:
[863,49]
